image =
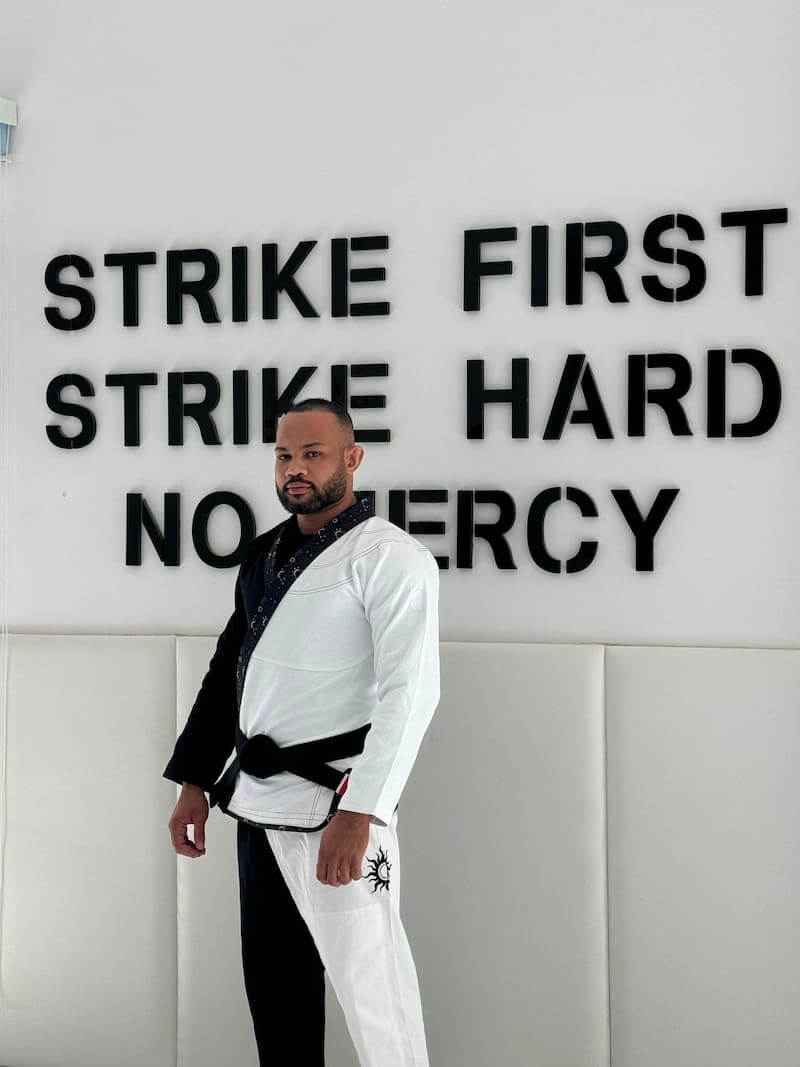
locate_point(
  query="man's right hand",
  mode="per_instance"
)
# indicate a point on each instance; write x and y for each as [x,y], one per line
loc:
[191,810]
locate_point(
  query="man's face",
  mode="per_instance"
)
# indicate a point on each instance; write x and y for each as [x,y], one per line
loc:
[309,452]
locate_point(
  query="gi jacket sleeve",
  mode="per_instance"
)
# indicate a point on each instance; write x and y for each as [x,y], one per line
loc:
[400,586]
[208,738]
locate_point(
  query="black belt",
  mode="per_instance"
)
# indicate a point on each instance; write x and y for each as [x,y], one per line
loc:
[260,756]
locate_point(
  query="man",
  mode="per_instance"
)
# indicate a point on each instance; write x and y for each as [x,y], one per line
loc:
[326,703]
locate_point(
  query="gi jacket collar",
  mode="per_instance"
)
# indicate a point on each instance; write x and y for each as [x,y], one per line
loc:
[277,582]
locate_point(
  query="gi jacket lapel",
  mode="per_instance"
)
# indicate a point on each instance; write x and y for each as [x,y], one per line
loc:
[276,582]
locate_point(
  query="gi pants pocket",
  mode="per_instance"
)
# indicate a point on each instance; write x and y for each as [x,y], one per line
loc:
[371,889]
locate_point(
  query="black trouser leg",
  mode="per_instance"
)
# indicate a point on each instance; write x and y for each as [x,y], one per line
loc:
[283,975]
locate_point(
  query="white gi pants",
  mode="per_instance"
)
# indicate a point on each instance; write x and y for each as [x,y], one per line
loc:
[362,943]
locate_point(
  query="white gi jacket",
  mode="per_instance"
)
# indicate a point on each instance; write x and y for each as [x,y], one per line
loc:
[355,639]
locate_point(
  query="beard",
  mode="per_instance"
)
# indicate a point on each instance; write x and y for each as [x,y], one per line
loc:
[315,499]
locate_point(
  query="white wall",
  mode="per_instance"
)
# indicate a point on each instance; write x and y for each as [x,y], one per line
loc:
[175,126]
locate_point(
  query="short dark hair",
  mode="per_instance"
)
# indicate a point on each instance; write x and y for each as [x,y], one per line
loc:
[318,403]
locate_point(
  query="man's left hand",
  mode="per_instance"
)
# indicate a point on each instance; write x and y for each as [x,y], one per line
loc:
[341,850]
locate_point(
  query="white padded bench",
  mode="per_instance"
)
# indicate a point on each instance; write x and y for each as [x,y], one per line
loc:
[647,832]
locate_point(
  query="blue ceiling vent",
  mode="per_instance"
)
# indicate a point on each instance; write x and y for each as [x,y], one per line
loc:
[8,118]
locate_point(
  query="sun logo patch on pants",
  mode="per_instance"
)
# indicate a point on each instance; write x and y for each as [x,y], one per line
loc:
[379,868]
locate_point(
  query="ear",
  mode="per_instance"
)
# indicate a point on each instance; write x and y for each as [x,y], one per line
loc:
[355,453]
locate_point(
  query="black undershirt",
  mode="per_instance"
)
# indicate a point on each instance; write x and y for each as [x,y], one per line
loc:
[292,539]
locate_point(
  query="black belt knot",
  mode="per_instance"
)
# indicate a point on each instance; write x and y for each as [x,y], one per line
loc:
[261,757]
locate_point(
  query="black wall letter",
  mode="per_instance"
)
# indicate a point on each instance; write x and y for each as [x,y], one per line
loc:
[130,263]
[52,280]
[247,528]
[131,384]
[754,223]
[200,289]
[475,268]
[603,266]
[478,396]
[340,276]
[63,407]
[138,516]
[199,410]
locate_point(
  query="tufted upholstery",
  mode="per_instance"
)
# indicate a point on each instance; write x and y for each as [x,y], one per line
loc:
[653,787]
